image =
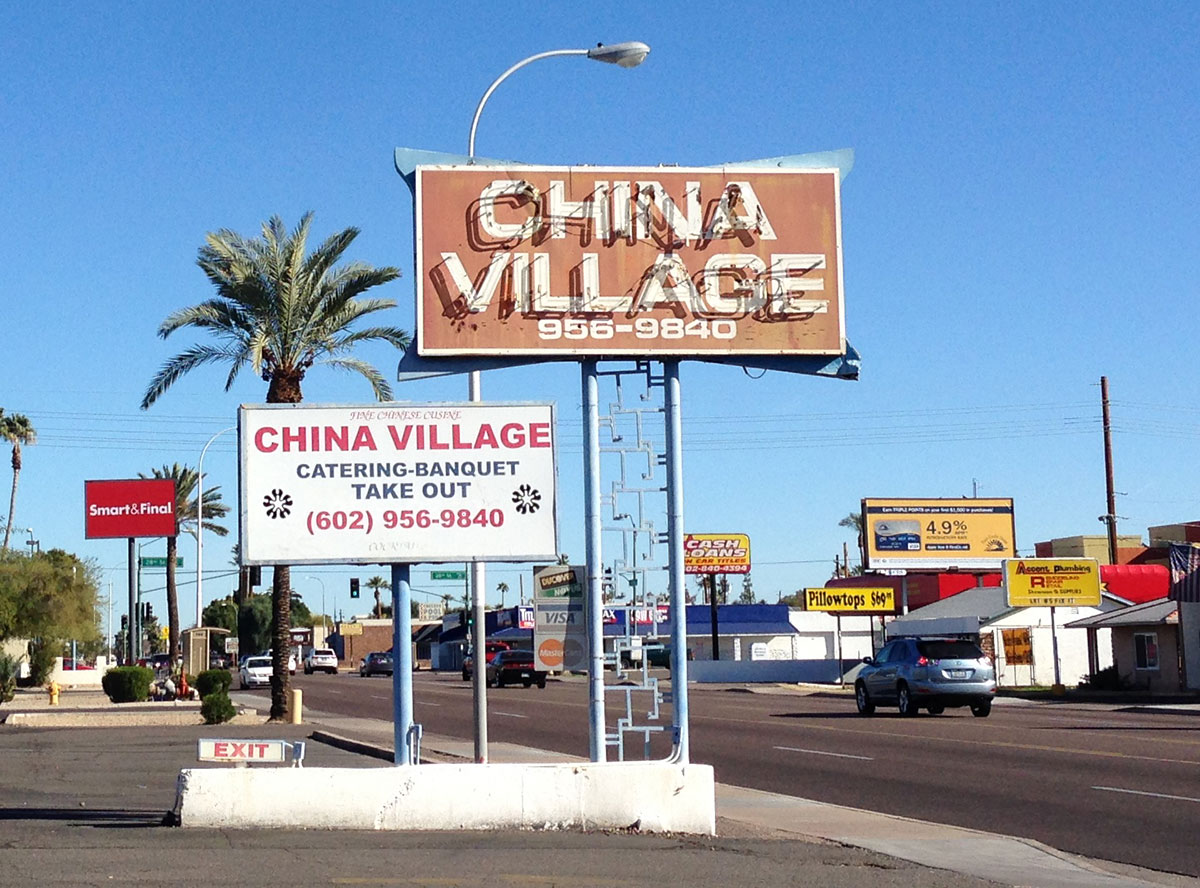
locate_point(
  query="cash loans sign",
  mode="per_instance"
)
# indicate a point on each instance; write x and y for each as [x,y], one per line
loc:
[628,261]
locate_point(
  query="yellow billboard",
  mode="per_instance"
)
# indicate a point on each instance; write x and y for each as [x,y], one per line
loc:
[938,534]
[851,600]
[716,553]
[1052,582]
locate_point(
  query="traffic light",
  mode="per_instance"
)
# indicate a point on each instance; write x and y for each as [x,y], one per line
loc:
[607,585]
[354,587]
[124,622]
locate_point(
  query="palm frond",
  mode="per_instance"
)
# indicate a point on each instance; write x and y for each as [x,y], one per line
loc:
[379,385]
[175,367]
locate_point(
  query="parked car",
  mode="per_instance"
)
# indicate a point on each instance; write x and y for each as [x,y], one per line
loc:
[491,648]
[219,660]
[70,665]
[321,660]
[927,673]
[510,667]
[291,660]
[255,672]
[376,663]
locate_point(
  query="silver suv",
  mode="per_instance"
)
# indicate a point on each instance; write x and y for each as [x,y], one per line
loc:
[927,673]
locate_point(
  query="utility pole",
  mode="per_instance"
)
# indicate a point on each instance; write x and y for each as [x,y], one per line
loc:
[1110,517]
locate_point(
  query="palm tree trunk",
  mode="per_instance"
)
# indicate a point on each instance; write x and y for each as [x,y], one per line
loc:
[281,641]
[12,500]
[172,599]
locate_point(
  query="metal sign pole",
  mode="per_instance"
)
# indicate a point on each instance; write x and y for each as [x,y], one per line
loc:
[402,702]
[679,688]
[592,530]
[129,656]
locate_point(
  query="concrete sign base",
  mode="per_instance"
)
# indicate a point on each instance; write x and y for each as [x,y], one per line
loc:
[652,796]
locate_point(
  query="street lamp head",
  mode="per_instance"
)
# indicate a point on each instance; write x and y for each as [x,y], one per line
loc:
[626,55]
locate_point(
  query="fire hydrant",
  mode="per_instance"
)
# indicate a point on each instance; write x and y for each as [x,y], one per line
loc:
[53,690]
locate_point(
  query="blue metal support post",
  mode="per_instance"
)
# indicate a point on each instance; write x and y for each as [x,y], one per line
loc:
[679,688]
[402,704]
[592,545]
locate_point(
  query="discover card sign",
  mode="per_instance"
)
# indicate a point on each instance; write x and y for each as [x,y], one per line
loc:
[521,260]
[397,483]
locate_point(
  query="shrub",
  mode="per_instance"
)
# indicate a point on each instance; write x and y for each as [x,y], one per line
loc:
[212,680]
[42,652]
[216,708]
[9,669]
[128,684]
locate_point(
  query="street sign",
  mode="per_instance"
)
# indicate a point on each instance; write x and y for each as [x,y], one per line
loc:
[159,562]
[448,575]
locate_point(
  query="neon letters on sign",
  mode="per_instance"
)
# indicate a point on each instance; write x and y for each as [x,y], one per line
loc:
[529,260]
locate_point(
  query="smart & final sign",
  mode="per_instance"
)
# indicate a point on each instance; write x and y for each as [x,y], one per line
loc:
[142,507]
[628,261]
[397,483]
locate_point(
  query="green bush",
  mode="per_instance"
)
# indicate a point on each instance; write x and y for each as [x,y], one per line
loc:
[212,680]
[42,652]
[9,670]
[128,684]
[216,707]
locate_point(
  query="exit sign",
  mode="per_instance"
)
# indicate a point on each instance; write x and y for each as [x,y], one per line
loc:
[448,575]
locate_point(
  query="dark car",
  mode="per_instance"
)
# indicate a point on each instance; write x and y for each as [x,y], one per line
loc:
[491,647]
[927,673]
[376,663]
[511,667]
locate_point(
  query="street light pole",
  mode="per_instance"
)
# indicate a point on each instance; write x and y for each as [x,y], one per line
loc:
[200,523]
[625,55]
[322,582]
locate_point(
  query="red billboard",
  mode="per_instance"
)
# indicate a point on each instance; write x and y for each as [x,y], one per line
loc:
[129,508]
[628,261]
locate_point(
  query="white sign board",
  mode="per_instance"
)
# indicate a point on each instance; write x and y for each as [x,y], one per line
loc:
[213,750]
[397,483]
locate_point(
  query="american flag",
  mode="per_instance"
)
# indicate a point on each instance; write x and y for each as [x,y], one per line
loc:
[1185,572]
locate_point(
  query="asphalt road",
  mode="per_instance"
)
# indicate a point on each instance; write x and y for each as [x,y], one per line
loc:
[1113,785]
[83,807]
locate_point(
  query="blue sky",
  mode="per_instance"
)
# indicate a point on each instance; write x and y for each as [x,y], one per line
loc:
[1022,219]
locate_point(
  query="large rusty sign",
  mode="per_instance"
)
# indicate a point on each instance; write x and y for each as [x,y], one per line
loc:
[516,260]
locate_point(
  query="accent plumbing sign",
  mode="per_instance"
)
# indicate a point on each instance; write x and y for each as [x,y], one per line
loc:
[1052,582]
[397,483]
[628,261]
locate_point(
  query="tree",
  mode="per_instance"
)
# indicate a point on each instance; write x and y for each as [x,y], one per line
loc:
[377,585]
[50,595]
[502,588]
[854,521]
[747,596]
[279,311]
[187,514]
[16,430]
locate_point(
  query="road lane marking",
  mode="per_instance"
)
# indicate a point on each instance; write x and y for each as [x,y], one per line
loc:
[510,714]
[841,755]
[1156,795]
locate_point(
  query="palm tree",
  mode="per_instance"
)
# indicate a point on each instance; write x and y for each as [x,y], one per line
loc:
[187,514]
[17,430]
[854,521]
[502,588]
[279,311]
[376,585]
